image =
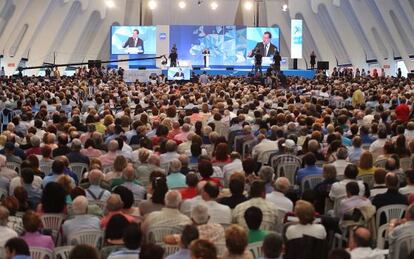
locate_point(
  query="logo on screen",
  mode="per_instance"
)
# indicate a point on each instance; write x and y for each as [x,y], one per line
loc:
[163,35]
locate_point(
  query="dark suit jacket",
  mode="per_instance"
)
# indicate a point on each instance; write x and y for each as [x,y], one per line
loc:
[270,53]
[179,74]
[77,157]
[131,43]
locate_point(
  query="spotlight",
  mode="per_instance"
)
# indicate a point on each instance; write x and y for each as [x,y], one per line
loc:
[285,5]
[152,4]
[214,5]
[248,5]
[182,4]
[110,3]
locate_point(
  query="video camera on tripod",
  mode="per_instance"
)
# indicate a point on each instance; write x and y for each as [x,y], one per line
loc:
[258,57]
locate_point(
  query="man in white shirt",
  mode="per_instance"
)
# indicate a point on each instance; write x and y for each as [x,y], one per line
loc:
[338,189]
[281,186]
[219,213]
[377,147]
[341,163]
[263,146]
[409,188]
[171,154]
[168,216]
[235,166]
[353,200]
[360,245]
[81,221]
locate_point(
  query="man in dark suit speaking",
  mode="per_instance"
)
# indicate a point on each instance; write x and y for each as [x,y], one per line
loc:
[179,74]
[135,42]
[266,48]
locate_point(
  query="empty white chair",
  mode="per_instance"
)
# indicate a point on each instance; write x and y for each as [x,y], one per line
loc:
[310,181]
[62,252]
[78,169]
[390,212]
[40,253]
[256,249]
[87,237]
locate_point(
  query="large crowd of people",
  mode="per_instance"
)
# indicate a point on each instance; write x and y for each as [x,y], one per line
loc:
[219,167]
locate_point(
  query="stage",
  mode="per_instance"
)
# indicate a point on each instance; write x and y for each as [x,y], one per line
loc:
[308,74]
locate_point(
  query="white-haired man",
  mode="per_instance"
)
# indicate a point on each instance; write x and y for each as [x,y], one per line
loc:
[95,192]
[109,158]
[169,215]
[281,186]
[176,179]
[82,221]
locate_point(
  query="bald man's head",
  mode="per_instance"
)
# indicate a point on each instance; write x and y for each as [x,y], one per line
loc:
[362,237]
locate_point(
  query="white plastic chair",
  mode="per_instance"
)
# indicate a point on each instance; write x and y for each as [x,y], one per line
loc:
[390,212]
[380,163]
[310,181]
[3,193]
[87,237]
[53,222]
[170,249]
[221,249]
[368,179]
[107,169]
[79,169]
[403,246]
[46,169]
[406,163]
[40,253]
[248,147]
[382,233]
[288,170]
[62,252]
[13,166]
[156,234]
[256,249]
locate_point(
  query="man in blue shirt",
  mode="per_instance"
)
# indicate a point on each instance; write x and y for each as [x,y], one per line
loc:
[189,234]
[310,168]
[17,248]
[58,168]
[132,240]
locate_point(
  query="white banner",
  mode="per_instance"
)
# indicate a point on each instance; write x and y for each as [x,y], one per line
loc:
[296,39]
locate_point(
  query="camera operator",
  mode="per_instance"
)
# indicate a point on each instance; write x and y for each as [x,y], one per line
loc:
[258,61]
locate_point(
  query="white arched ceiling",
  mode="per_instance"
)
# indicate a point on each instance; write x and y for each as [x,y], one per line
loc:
[350,31]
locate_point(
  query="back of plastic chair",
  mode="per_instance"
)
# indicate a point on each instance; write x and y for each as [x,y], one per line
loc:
[403,246]
[156,234]
[406,163]
[40,253]
[221,249]
[170,249]
[46,168]
[62,252]
[382,232]
[310,181]
[368,179]
[380,163]
[53,222]
[391,212]
[287,170]
[107,169]
[14,166]
[256,249]
[3,193]
[88,237]
[78,169]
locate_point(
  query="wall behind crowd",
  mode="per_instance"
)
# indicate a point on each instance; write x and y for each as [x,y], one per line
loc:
[342,32]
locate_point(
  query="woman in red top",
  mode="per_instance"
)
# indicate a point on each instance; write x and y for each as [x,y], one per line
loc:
[205,168]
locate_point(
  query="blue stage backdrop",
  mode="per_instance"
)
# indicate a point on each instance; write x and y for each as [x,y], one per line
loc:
[121,34]
[228,45]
